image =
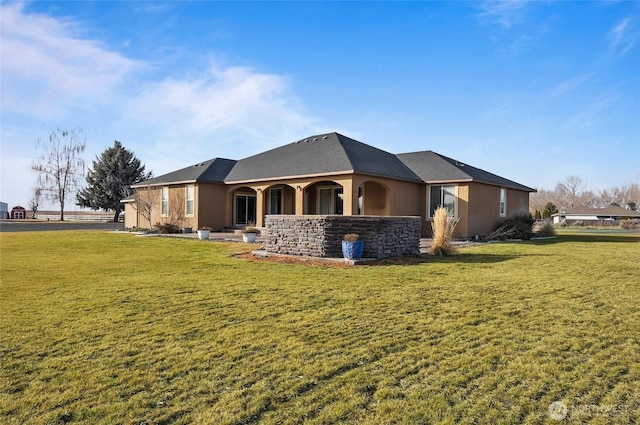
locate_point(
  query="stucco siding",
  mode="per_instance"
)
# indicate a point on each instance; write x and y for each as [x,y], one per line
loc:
[517,202]
[211,206]
[484,212]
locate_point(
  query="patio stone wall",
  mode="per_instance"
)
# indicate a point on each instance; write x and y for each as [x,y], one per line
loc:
[321,235]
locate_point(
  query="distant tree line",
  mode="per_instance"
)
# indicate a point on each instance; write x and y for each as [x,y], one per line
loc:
[573,193]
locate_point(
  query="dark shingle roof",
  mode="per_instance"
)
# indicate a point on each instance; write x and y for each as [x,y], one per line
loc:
[211,171]
[330,153]
[432,167]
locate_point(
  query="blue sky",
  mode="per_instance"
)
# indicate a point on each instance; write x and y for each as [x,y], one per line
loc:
[532,91]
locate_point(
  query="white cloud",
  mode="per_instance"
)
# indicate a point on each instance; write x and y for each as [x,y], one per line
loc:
[47,67]
[621,38]
[54,75]
[234,108]
[505,13]
[591,114]
[571,84]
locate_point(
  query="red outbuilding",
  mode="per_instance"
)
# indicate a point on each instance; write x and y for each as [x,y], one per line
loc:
[18,213]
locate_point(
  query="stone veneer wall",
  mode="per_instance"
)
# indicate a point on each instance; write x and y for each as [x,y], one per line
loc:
[321,235]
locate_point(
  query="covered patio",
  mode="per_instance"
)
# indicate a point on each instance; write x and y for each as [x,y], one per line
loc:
[344,195]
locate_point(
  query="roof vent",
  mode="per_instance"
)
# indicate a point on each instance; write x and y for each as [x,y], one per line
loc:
[306,140]
[315,139]
[325,137]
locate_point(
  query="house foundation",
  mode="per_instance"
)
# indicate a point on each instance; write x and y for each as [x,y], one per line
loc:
[321,235]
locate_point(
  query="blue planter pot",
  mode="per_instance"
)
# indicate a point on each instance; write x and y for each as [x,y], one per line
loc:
[352,250]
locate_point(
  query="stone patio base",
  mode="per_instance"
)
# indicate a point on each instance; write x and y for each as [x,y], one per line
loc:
[321,235]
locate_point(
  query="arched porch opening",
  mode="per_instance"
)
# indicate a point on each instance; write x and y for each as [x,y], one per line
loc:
[244,203]
[279,199]
[324,198]
[373,199]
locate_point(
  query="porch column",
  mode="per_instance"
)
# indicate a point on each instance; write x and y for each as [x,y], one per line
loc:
[259,207]
[350,199]
[299,200]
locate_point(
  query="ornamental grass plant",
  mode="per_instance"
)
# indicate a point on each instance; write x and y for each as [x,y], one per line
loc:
[443,226]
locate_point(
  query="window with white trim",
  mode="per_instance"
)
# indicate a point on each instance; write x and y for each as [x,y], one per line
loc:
[503,202]
[443,196]
[189,199]
[164,203]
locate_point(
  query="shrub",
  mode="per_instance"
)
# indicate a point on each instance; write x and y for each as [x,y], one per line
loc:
[631,224]
[443,226]
[166,228]
[351,237]
[516,227]
[545,229]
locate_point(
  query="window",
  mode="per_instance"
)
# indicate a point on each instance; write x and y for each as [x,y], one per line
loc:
[165,201]
[275,201]
[503,202]
[360,200]
[442,196]
[330,200]
[189,199]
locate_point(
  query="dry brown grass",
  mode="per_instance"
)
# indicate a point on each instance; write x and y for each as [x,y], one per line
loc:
[443,226]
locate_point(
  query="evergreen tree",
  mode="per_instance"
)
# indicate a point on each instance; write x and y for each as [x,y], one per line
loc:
[549,210]
[108,182]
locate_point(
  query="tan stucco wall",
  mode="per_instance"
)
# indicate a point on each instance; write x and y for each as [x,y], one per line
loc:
[517,202]
[404,198]
[130,216]
[211,205]
[485,212]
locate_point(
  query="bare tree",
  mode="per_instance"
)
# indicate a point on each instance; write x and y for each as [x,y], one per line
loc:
[34,202]
[146,199]
[60,168]
[177,214]
[570,192]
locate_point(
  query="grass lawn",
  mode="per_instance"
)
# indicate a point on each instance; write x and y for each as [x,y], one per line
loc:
[102,328]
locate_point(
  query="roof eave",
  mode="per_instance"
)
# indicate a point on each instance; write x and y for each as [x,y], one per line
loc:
[299,176]
[470,180]
[167,183]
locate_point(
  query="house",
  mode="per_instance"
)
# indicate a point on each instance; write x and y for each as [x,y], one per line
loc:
[595,215]
[329,174]
[18,213]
